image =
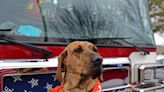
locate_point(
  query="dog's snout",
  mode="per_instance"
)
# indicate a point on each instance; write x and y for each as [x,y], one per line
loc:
[96,66]
[97,58]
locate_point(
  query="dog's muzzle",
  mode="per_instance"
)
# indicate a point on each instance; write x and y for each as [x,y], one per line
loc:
[96,68]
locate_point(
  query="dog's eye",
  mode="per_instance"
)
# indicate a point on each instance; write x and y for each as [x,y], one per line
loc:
[94,49]
[78,50]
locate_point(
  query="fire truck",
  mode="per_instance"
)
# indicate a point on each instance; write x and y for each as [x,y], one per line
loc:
[34,32]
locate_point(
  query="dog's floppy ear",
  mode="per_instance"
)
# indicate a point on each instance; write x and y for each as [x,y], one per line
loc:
[60,67]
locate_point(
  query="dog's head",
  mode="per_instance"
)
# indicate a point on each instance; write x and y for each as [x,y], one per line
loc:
[80,57]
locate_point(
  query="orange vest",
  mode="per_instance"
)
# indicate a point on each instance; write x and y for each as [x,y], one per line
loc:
[97,88]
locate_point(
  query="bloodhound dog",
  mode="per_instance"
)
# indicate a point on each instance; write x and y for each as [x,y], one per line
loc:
[79,67]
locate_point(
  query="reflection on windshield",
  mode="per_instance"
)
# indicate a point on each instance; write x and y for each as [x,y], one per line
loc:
[79,19]
[14,14]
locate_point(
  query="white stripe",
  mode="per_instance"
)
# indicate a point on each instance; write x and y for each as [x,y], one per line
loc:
[53,62]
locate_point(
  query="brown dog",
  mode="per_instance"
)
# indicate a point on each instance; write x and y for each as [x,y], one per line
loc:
[79,67]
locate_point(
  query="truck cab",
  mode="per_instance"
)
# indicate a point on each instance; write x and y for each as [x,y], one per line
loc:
[34,32]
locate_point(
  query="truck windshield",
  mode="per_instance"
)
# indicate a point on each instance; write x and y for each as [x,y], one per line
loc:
[58,21]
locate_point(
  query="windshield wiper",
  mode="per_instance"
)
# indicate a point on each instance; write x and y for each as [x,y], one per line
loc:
[123,39]
[140,48]
[5,30]
[94,40]
[33,47]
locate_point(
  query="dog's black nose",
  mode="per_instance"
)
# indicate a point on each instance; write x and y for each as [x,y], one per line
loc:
[96,66]
[97,59]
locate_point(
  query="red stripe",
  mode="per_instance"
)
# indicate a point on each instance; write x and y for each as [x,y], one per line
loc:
[15,51]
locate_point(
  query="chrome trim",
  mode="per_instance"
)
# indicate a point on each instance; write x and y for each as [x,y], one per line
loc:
[151,65]
[136,72]
[9,65]
[150,88]
[122,60]
[115,88]
[53,62]
[123,67]
[112,68]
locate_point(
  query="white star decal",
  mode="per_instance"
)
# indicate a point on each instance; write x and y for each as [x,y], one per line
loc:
[48,86]
[33,82]
[17,78]
[6,89]
[27,91]
[53,76]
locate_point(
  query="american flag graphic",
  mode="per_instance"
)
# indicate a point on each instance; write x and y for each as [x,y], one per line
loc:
[29,82]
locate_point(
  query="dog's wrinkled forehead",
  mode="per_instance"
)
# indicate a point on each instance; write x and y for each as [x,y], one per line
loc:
[81,44]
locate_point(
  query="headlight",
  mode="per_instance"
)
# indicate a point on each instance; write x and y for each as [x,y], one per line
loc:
[149,74]
[159,73]
[154,74]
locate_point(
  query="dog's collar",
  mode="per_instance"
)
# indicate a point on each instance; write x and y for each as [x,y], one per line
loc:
[97,88]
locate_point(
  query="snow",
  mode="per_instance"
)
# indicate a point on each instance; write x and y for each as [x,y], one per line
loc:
[159,38]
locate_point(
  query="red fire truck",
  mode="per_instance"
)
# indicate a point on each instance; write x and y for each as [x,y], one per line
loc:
[34,32]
